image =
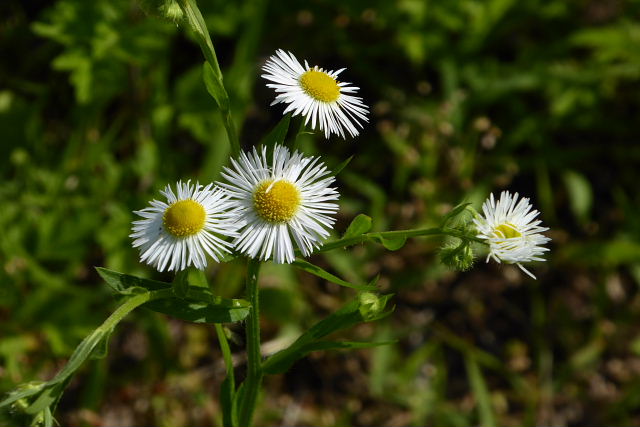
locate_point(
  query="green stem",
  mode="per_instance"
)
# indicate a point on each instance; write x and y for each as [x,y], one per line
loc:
[229,388]
[199,27]
[436,231]
[254,358]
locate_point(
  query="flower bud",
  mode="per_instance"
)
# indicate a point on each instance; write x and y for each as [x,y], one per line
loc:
[457,256]
[370,305]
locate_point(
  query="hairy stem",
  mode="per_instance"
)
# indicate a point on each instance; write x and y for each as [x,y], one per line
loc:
[435,231]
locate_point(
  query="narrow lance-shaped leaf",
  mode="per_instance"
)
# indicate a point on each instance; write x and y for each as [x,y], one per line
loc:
[278,133]
[317,271]
[52,390]
[341,166]
[215,86]
[191,303]
[349,315]
[480,391]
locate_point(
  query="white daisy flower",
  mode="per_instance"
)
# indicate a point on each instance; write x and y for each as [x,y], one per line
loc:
[280,202]
[316,94]
[180,232]
[510,230]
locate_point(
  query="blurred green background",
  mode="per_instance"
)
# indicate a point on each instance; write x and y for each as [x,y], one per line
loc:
[102,103]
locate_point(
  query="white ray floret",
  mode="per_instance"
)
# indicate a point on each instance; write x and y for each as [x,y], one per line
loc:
[316,94]
[280,202]
[182,231]
[511,230]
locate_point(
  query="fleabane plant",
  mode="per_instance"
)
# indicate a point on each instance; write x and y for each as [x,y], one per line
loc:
[272,204]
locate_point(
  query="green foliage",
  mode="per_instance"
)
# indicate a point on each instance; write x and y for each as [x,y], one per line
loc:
[317,271]
[191,303]
[346,317]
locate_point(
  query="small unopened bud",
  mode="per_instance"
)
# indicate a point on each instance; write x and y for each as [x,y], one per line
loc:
[370,305]
[172,10]
[457,256]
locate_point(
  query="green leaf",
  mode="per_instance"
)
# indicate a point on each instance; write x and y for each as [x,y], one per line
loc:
[278,133]
[284,363]
[347,316]
[392,243]
[480,392]
[215,86]
[194,304]
[121,283]
[198,312]
[317,271]
[341,166]
[360,225]
[102,348]
[23,391]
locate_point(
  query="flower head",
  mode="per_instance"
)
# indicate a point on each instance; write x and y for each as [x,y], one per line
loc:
[510,229]
[280,202]
[180,232]
[316,94]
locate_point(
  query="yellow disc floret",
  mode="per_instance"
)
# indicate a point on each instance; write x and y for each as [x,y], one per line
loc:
[320,85]
[184,218]
[276,201]
[506,231]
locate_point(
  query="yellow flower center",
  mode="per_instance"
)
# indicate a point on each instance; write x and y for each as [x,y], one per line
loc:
[506,231]
[320,86]
[184,218]
[276,201]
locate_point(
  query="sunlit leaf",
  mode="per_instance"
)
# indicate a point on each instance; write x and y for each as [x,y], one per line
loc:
[121,282]
[392,243]
[360,225]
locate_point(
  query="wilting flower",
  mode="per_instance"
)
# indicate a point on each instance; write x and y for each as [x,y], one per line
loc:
[510,229]
[178,233]
[280,203]
[316,94]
